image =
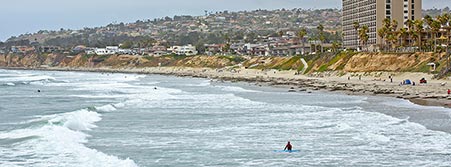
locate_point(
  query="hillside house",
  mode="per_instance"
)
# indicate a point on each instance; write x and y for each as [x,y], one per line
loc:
[188,50]
[109,50]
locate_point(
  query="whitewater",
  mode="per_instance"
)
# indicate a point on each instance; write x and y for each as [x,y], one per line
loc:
[51,118]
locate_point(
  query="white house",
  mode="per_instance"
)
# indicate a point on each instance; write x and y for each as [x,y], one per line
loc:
[109,50]
[188,50]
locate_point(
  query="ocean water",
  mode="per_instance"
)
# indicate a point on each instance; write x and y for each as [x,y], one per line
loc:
[104,119]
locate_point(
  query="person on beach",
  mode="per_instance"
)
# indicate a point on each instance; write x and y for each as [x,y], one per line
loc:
[288,147]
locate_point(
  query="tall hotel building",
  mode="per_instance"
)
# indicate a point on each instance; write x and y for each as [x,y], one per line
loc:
[372,13]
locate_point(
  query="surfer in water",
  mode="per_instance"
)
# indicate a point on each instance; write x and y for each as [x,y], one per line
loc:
[288,146]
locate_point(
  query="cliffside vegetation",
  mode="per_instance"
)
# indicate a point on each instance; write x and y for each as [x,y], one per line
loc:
[343,62]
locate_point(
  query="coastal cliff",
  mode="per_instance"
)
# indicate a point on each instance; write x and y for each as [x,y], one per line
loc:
[342,62]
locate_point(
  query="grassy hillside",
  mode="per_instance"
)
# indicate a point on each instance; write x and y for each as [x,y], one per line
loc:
[344,62]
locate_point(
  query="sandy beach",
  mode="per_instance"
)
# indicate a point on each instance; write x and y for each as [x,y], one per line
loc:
[434,93]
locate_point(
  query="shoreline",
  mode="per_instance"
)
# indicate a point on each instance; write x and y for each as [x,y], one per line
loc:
[365,84]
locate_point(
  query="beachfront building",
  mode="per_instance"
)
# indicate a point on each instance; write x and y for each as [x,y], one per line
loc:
[188,50]
[214,49]
[49,49]
[109,50]
[22,49]
[372,13]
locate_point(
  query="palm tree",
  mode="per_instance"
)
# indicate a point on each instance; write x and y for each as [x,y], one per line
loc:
[227,40]
[387,23]
[402,36]
[394,25]
[382,32]
[449,27]
[392,38]
[444,19]
[301,35]
[385,31]
[435,28]
[419,30]
[363,35]
[429,20]
[356,28]
[322,38]
[395,39]
[410,25]
[335,46]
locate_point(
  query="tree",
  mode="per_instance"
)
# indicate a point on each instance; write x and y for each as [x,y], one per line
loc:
[301,35]
[127,45]
[356,26]
[394,25]
[321,36]
[449,32]
[429,21]
[363,35]
[419,30]
[410,25]
[387,23]
[382,32]
[444,19]
[281,33]
[226,48]
[335,46]
[435,28]
[391,38]
[402,36]
[227,39]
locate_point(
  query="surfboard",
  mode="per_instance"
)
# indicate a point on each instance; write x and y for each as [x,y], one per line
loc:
[287,151]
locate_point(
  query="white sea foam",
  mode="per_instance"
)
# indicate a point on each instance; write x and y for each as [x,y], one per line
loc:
[27,78]
[79,120]
[60,142]
[100,96]
[202,84]
[106,108]
[235,89]
[57,146]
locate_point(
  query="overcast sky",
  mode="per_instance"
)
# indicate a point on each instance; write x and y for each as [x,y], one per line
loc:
[23,16]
